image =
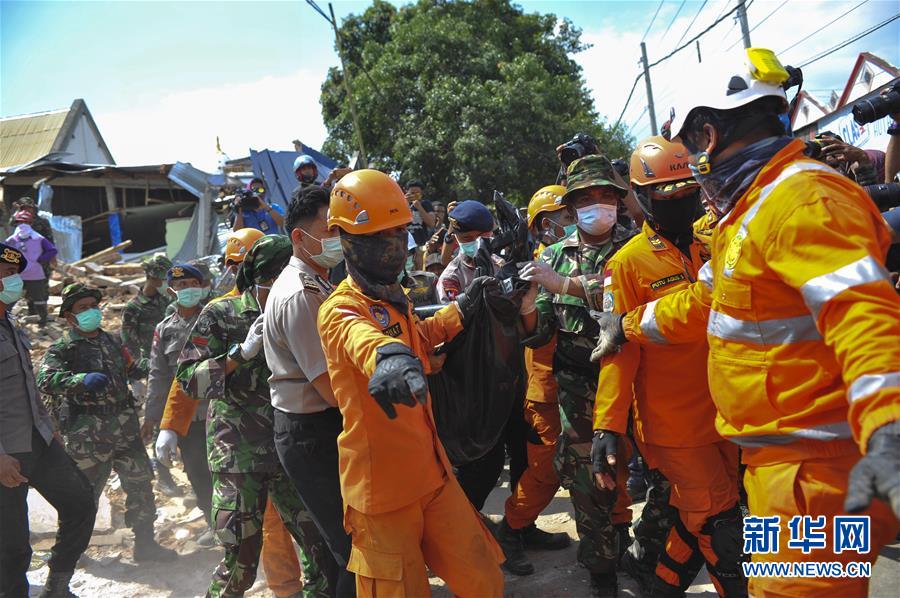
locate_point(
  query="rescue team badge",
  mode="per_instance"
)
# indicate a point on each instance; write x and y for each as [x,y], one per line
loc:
[664,282]
[393,331]
[733,254]
[608,302]
[381,315]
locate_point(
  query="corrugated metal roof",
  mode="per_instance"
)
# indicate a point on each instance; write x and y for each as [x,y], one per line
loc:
[276,169]
[29,137]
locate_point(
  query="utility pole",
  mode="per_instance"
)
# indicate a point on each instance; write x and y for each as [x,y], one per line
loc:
[348,89]
[650,106]
[742,17]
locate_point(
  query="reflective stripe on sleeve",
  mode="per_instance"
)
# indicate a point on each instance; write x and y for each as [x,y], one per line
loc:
[822,289]
[763,332]
[869,384]
[648,324]
[824,433]
[706,275]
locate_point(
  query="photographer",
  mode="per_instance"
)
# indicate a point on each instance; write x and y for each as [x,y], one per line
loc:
[252,211]
[423,217]
[866,167]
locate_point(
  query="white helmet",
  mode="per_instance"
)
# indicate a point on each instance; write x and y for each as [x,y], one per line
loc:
[760,76]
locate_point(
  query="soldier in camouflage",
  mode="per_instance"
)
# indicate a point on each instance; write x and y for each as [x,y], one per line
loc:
[222,362]
[90,369]
[570,275]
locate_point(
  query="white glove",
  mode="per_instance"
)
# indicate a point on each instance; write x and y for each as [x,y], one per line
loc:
[528,300]
[254,342]
[544,275]
[166,447]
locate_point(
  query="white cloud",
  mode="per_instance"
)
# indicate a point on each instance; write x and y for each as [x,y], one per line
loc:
[267,113]
[611,65]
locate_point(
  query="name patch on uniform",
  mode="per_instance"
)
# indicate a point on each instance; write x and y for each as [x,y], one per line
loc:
[393,331]
[381,315]
[663,282]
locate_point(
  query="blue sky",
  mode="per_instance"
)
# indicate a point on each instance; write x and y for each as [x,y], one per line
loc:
[162,79]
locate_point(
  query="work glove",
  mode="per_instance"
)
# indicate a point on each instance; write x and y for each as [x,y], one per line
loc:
[467,302]
[166,447]
[254,342]
[611,337]
[877,474]
[603,458]
[541,273]
[95,381]
[529,299]
[398,378]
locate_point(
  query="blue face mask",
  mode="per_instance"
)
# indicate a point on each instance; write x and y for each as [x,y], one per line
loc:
[12,289]
[89,320]
[469,249]
[206,291]
[570,228]
[189,297]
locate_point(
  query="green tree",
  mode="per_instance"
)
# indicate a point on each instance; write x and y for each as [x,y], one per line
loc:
[466,96]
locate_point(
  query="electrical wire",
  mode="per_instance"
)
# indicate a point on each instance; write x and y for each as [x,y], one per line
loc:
[820,29]
[627,101]
[766,18]
[669,26]
[640,116]
[653,20]
[849,41]
[694,20]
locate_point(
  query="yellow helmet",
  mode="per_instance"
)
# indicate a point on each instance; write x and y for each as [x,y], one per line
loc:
[367,201]
[239,243]
[545,199]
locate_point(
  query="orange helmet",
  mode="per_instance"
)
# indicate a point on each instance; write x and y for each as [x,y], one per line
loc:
[545,199]
[239,243]
[367,201]
[657,161]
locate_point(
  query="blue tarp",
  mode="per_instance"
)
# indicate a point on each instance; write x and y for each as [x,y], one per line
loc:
[276,169]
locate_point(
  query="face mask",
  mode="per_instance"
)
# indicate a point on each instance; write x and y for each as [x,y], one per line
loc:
[596,219]
[379,259]
[24,231]
[676,215]
[307,177]
[206,291]
[469,249]
[189,297]
[89,320]
[12,289]
[570,228]
[332,254]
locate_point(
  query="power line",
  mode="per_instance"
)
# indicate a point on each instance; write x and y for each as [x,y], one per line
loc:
[653,20]
[669,26]
[694,20]
[627,101]
[856,37]
[635,123]
[820,29]
[766,18]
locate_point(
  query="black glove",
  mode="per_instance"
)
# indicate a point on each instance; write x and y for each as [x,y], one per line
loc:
[398,378]
[95,381]
[611,336]
[603,447]
[877,474]
[469,300]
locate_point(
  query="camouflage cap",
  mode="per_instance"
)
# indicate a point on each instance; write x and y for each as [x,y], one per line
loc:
[156,266]
[265,261]
[590,171]
[74,292]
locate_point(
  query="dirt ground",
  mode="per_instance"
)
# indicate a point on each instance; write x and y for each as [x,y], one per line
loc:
[108,571]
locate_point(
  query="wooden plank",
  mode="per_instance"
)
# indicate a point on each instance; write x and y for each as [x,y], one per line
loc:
[104,281]
[96,256]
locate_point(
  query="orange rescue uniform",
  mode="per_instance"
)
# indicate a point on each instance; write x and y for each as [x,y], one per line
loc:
[402,505]
[801,320]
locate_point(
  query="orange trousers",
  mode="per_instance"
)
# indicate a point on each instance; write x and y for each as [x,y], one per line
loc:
[279,558]
[440,531]
[704,484]
[815,486]
[539,483]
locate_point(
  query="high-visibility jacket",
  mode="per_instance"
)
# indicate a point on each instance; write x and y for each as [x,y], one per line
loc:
[542,386]
[385,464]
[672,404]
[800,315]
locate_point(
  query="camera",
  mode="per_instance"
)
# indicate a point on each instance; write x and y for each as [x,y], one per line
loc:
[814,148]
[885,195]
[867,111]
[246,199]
[579,146]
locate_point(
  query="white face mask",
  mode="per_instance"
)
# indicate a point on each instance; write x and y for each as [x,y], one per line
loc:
[332,253]
[597,219]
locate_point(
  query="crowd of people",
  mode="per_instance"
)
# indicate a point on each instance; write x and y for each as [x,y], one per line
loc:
[709,326]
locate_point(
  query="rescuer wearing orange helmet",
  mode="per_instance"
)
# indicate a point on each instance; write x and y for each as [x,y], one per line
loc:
[674,416]
[548,221]
[403,506]
[801,320]
[278,556]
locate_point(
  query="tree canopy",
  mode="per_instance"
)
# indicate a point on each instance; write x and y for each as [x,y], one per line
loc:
[467,97]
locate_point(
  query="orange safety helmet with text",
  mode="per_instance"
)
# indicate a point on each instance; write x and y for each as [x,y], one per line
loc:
[663,165]
[239,243]
[367,201]
[545,199]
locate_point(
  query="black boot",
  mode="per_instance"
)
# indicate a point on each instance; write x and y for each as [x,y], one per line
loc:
[165,483]
[604,586]
[514,549]
[146,548]
[642,570]
[57,585]
[538,539]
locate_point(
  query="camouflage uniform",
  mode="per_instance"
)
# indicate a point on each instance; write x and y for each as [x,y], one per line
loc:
[143,313]
[241,450]
[102,431]
[568,317]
